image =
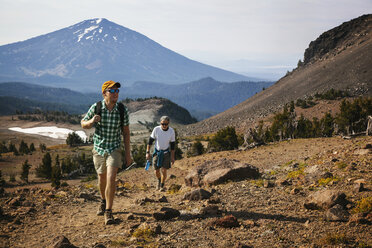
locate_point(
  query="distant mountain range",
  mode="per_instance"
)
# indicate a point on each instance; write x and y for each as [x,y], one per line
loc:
[339,59]
[202,98]
[84,55]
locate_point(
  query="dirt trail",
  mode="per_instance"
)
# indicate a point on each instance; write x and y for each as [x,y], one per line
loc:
[268,217]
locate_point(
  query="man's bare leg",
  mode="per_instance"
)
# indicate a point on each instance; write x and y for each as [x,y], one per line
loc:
[110,186]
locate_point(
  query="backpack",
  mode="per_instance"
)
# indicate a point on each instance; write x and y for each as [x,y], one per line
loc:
[121,108]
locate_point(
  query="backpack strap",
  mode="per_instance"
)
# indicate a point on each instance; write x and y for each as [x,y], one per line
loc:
[121,108]
[121,111]
[98,108]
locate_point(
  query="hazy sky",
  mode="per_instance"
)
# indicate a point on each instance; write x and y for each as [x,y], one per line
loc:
[258,38]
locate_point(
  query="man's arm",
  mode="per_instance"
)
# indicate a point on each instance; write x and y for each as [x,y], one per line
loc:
[126,135]
[89,123]
[173,149]
[148,155]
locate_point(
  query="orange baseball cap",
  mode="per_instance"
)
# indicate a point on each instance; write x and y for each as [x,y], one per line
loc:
[109,84]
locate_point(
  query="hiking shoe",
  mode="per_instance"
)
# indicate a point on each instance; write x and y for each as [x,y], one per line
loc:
[109,219]
[101,208]
[162,189]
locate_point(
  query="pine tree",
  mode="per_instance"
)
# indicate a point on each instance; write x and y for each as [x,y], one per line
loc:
[23,148]
[56,176]
[25,171]
[32,147]
[45,168]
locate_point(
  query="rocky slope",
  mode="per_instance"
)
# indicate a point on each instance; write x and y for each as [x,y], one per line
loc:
[271,211]
[344,65]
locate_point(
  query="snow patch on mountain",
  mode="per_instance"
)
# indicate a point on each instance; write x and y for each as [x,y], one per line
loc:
[86,31]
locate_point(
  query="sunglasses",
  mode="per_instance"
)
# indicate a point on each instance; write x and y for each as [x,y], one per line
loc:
[164,124]
[112,91]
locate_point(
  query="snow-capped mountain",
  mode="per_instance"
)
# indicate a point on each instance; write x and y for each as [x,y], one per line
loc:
[90,52]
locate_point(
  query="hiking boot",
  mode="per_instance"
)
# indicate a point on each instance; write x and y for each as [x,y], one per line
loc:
[109,219]
[162,188]
[101,208]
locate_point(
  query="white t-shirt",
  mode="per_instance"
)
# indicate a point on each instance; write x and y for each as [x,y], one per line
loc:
[163,138]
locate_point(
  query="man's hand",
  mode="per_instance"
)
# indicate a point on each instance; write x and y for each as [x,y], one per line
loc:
[96,118]
[148,156]
[129,161]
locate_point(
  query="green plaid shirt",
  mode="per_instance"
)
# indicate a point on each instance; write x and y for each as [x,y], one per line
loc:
[107,137]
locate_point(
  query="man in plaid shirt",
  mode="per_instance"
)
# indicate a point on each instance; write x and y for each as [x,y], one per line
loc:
[107,140]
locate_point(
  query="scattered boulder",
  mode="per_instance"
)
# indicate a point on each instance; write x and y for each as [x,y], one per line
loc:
[228,221]
[358,187]
[268,184]
[282,182]
[62,242]
[197,195]
[143,201]
[219,171]
[87,196]
[163,199]
[166,214]
[210,210]
[337,213]
[325,199]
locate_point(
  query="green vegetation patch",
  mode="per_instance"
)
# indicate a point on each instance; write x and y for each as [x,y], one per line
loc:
[363,206]
[335,239]
[328,180]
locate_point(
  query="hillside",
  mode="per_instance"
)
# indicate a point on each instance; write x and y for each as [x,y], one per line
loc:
[84,55]
[150,110]
[345,65]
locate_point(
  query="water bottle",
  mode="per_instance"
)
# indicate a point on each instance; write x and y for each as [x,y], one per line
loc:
[148,163]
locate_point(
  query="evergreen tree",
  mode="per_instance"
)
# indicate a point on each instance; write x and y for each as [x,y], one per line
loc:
[42,147]
[23,148]
[25,171]
[225,139]
[3,148]
[2,181]
[45,168]
[73,139]
[56,176]
[327,125]
[32,147]
[13,149]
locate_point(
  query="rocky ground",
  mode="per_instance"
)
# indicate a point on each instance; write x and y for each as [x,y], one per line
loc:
[278,209]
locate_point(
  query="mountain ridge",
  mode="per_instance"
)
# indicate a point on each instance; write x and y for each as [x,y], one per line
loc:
[348,69]
[93,51]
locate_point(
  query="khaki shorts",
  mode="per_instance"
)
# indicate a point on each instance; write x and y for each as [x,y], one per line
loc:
[101,162]
[166,161]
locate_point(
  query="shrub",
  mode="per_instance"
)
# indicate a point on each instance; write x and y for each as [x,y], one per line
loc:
[197,148]
[364,205]
[73,139]
[326,181]
[335,239]
[225,139]
[144,233]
